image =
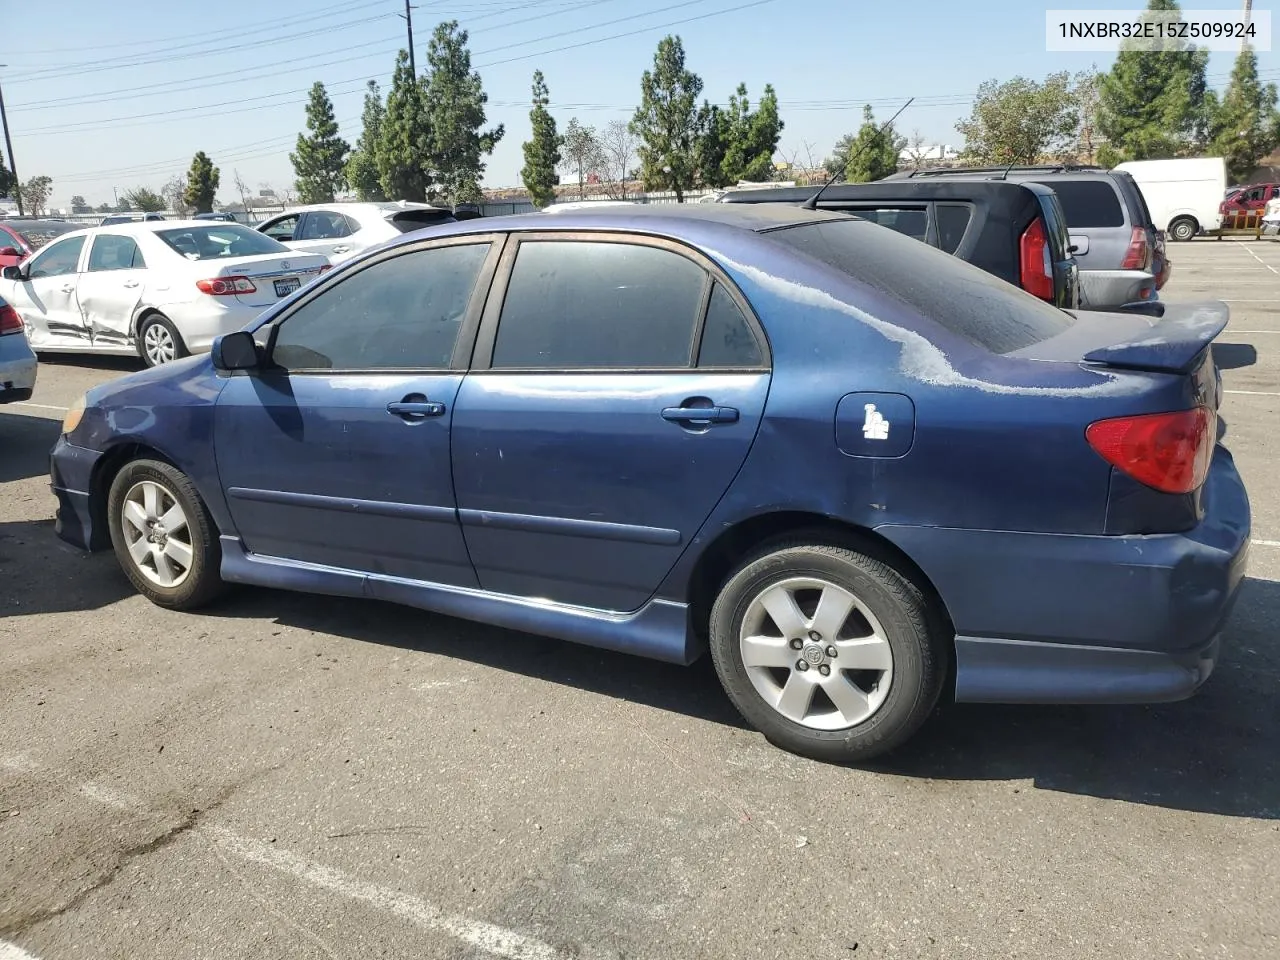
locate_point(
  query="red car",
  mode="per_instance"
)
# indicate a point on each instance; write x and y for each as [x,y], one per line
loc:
[22,236]
[1241,209]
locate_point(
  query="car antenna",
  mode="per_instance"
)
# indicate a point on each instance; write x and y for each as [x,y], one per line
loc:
[812,202]
[1005,175]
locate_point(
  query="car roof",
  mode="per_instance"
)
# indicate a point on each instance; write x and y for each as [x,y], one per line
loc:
[888,189]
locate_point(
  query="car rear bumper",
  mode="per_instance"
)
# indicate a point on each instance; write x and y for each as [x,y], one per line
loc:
[17,369]
[1048,618]
[71,475]
[203,321]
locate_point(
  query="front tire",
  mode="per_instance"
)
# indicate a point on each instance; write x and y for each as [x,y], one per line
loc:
[1183,229]
[828,652]
[163,536]
[159,341]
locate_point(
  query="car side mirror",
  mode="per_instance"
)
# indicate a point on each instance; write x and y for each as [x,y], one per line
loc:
[10,252]
[235,351]
[13,273]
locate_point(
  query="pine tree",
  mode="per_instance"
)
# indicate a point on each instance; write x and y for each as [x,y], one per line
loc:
[362,165]
[404,143]
[753,137]
[667,121]
[872,155]
[319,160]
[1245,126]
[202,184]
[715,141]
[1152,104]
[542,150]
[8,182]
[454,100]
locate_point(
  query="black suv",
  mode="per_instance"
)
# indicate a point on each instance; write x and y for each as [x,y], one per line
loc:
[1014,230]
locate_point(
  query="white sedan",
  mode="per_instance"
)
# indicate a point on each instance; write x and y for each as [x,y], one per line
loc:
[163,289]
[341,230]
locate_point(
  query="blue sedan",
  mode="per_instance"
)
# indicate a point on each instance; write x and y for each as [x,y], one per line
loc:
[856,470]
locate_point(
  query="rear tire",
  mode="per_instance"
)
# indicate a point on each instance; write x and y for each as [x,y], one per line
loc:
[159,341]
[1183,229]
[164,538]
[775,626]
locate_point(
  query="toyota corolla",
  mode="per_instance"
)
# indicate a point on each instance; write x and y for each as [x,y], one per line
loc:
[856,470]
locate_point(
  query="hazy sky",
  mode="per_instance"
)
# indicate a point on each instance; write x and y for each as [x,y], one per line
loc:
[119,95]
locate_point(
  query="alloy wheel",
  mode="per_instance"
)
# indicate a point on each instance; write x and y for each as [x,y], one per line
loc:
[157,534]
[816,653]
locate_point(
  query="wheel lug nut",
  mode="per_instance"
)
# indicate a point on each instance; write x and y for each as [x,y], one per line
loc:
[796,644]
[831,652]
[815,636]
[824,670]
[802,665]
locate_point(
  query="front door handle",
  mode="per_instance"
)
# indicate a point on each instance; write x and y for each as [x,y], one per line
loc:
[130,284]
[700,414]
[416,407]
[341,249]
[68,289]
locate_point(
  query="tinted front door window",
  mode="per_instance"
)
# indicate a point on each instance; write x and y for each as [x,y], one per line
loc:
[402,313]
[57,259]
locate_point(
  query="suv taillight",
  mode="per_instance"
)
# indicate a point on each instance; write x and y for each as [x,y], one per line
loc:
[10,322]
[1036,267]
[1139,253]
[226,286]
[1167,451]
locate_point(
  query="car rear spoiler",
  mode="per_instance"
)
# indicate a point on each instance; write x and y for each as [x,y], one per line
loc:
[1173,343]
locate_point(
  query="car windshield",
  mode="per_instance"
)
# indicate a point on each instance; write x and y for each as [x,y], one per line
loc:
[220,240]
[957,295]
[36,233]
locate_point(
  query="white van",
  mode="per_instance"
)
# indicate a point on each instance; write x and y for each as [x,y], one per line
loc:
[1184,196]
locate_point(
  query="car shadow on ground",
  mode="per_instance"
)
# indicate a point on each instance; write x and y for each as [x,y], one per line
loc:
[25,443]
[1215,753]
[95,361]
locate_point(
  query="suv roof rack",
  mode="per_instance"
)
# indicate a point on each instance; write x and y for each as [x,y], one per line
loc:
[1002,169]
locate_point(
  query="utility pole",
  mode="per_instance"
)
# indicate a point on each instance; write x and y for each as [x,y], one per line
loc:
[407,16]
[8,148]
[1248,17]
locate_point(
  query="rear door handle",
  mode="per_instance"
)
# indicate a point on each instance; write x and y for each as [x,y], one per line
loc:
[416,409]
[341,249]
[700,414]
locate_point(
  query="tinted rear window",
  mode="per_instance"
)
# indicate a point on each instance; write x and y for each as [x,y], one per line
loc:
[1088,203]
[220,240]
[36,233]
[411,220]
[957,295]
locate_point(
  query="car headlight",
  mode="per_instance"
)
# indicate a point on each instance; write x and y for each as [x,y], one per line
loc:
[74,415]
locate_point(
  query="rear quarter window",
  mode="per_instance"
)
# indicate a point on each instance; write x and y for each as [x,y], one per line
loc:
[953,219]
[1088,203]
[958,296]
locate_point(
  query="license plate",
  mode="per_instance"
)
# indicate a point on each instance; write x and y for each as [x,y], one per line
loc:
[286,287]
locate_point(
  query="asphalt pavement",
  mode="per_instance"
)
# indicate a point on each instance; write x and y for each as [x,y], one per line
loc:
[286,776]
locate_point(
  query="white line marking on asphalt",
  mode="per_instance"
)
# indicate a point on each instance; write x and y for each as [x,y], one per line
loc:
[1254,393]
[39,406]
[490,938]
[1266,543]
[11,951]
[484,936]
[18,764]
[112,798]
[1249,251]
[1229,330]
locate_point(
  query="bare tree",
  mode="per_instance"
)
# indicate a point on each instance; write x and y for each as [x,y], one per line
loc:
[174,193]
[617,153]
[242,188]
[916,152]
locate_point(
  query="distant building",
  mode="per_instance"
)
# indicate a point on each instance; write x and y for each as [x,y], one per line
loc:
[929,153]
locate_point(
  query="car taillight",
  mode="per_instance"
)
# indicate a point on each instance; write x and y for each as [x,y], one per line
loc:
[10,322]
[1036,267]
[226,286]
[1167,451]
[1139,252]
